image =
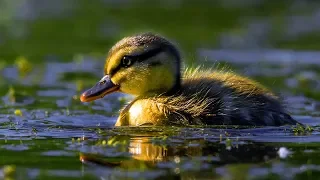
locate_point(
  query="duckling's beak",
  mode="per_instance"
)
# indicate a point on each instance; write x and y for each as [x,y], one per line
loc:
[103,87]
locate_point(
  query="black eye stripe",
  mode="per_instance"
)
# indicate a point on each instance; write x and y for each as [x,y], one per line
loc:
[146,54]
[139,57]
[113,71]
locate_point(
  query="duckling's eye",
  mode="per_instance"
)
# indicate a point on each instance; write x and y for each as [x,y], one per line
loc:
[126,61]
[102,82]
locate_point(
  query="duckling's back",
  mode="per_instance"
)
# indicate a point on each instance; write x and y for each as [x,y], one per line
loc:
[213,98]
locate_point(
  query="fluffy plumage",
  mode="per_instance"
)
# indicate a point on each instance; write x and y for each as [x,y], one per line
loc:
[215,98]
[148,66]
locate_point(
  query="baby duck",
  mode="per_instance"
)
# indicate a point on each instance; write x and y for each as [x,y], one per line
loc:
[149,67]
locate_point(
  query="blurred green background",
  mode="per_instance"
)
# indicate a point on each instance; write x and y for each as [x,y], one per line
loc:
[41,29]
[36,32]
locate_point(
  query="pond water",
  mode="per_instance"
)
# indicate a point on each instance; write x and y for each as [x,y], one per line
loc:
[50,52]
[46,132]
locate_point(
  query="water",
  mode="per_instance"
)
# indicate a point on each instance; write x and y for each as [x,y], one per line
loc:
[56,136]
[53,51]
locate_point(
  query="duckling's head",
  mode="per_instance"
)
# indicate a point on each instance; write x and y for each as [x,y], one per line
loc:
[144,64]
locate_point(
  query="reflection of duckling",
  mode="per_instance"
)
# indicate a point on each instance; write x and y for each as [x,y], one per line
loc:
[143,149]
[148,66]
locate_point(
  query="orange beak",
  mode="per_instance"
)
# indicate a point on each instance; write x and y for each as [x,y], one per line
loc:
[103,87]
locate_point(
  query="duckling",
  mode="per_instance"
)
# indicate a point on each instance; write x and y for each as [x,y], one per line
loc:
[148,66]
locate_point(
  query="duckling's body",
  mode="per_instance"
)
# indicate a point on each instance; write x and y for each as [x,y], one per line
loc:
[148,66]
[211,98]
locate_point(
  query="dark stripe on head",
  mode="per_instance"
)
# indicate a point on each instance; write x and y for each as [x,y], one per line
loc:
[113,71]
[140,57]
[148,53]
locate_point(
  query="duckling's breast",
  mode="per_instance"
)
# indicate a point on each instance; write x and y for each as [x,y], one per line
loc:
[142,111]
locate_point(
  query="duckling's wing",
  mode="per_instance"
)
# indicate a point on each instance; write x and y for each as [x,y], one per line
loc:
[224,99]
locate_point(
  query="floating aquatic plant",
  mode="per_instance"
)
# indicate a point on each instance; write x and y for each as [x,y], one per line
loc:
[24,66]
[34,130]
[302,130]
[11,95]
[18,112]
[228,144]
[118,140]
[9,171]
[14,96]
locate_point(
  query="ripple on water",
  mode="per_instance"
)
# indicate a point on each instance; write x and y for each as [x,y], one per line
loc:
[11,147]
[84,120]
[58,153]
[271,56]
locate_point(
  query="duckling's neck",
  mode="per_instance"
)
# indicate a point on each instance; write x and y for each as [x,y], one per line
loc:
[166,92]
[177,84]
[175,87]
